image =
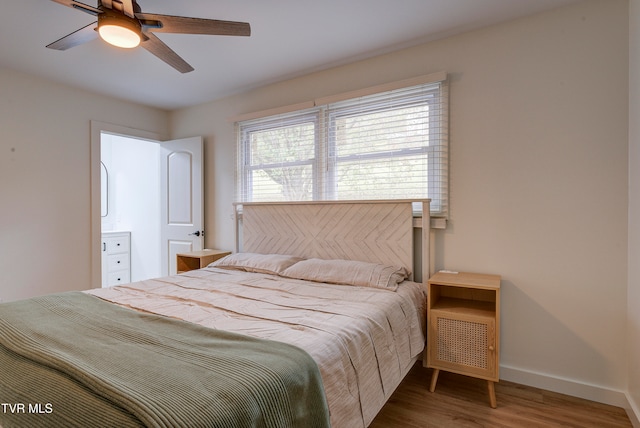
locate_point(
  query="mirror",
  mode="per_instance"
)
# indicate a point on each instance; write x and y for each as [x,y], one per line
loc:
[104,190]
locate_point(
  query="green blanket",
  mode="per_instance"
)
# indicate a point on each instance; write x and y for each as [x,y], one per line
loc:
[72,360]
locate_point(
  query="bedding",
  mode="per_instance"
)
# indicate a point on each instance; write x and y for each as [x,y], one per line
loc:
[363,339]
[130,369]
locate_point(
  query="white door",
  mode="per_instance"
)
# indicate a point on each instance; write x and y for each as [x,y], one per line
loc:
[181,177]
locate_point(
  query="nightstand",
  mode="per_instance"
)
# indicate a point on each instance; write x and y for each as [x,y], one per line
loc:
[198,259]
[463,326]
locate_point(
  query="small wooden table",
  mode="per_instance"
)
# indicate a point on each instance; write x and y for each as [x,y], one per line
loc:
[198,259]
[463,326]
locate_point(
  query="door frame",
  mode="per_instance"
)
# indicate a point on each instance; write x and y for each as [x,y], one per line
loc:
[97,128]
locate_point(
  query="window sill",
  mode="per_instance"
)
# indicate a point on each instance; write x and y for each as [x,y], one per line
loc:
[436,222]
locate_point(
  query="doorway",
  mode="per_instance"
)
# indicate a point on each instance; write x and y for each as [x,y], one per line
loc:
[130,194]
[181,195]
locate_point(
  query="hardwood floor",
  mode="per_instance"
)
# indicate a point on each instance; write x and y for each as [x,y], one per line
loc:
[461,401]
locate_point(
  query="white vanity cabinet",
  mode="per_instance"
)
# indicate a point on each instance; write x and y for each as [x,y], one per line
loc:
[116,258]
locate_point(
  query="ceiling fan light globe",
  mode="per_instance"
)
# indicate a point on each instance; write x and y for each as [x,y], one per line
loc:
[119,36]
[119,30]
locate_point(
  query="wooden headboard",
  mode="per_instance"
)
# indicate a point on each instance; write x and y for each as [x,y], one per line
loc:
[371,231]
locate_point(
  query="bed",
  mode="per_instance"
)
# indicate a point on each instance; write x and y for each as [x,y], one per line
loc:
[313,321]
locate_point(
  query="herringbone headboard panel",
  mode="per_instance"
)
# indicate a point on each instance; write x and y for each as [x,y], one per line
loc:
[371,231]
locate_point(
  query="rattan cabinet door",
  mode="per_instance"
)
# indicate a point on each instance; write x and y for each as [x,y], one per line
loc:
[463,343]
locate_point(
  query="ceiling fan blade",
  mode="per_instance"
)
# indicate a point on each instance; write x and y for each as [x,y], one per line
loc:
[80,6]
[184,25]
[157,47]
[78,37]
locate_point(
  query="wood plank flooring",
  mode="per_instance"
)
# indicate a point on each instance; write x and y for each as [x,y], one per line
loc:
[461,401]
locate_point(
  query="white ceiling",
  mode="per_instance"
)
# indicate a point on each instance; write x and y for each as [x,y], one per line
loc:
[289,38]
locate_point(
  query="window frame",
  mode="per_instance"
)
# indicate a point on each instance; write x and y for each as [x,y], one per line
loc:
[324,164]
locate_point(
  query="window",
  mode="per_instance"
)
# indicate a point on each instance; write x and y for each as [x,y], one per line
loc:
[387,145]
[279,158]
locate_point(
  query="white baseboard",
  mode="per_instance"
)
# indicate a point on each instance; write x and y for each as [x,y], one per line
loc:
[570,387]
[633,411]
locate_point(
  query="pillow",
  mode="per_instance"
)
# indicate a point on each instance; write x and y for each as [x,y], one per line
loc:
[253,262]
[348,272]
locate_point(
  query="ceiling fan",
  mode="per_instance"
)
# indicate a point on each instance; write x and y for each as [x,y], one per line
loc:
[122,23]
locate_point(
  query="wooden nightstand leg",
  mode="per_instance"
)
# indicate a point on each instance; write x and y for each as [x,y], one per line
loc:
[492,394]
[434,380]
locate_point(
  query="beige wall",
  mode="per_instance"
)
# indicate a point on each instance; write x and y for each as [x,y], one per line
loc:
[538,173]
[45,215]
[633,294]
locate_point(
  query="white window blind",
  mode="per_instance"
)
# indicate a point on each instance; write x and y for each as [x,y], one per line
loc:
[388,145]
[278,158]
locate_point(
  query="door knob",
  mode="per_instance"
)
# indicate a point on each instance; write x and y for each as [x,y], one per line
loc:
[197,233]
